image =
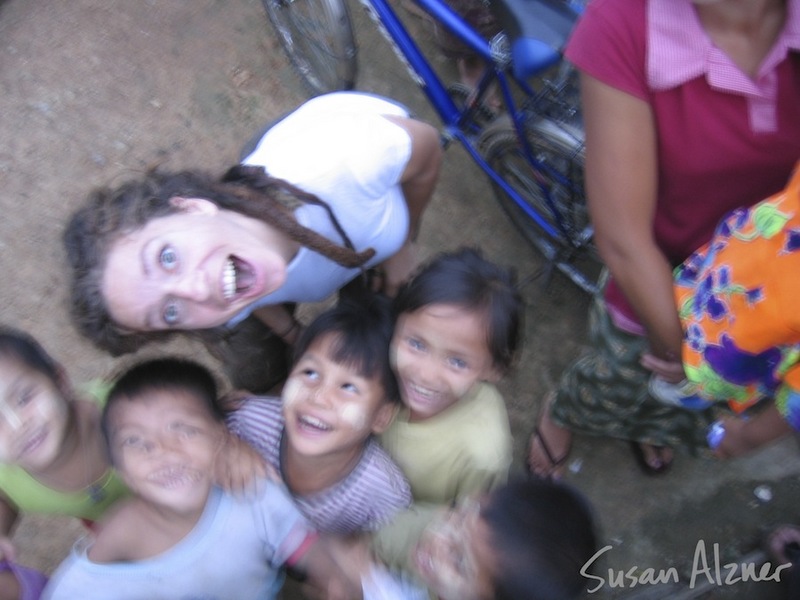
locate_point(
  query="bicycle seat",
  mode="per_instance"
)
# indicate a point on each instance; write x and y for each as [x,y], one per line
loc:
[537,31]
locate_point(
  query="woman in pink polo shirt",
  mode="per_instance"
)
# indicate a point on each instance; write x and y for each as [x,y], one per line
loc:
[690,109]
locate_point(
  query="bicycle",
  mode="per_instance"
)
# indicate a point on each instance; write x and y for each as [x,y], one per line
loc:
[533,152]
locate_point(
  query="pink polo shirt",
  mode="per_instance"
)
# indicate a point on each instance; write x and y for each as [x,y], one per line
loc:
[724,140]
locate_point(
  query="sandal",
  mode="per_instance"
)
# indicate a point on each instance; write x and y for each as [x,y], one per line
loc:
[553,462]
[646,466]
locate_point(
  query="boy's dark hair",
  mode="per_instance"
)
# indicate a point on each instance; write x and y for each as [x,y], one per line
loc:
[542,533]
[362,327]
[18,345]
[464,278]
[170,373]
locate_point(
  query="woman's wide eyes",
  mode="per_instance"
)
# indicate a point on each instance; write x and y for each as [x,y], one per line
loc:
[168,258]
[171,314]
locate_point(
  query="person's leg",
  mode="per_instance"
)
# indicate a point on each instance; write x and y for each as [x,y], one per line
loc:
[605,393]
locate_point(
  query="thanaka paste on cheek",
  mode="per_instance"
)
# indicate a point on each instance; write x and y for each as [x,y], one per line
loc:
[291,392]
[353,415]
[10,416]
[401,366]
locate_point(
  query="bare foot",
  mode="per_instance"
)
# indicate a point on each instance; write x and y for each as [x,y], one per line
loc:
[549,444]
[652,459]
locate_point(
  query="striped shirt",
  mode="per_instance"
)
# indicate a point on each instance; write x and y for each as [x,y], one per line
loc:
[365,499]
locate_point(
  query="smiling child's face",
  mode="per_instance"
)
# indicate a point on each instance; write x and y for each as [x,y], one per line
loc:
[34,416]
[439,353]
[164,446]
[329,407]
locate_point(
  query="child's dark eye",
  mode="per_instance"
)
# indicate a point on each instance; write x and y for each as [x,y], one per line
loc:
[350,387]
[184,429]
[25,397]
[133,442]
[415,344]
[458,363]
[310,374]
[168,258]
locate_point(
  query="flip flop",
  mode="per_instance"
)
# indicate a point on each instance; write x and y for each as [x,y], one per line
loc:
[554,462]
[641,459]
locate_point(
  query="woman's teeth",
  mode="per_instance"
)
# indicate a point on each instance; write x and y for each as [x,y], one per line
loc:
[229,280]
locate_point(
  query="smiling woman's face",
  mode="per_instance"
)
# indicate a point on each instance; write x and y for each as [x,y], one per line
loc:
[194,269]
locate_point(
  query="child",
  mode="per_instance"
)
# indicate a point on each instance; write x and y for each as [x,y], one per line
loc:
[737,302]
[525,540]
[456,333]
[179,536]
[340,393]
[52,455]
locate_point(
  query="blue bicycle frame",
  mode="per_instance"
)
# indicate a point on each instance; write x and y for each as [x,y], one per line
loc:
[458,122]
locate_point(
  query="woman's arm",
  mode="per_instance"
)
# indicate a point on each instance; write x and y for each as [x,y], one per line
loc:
[621,184]
[280,321]
[422,170]
[417,182]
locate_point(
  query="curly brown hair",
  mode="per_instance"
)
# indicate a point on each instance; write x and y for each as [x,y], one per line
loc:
[112,212]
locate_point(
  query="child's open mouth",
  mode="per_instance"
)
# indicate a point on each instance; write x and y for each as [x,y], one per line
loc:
[421,395]
[33,442]
[172,477]
[313,425]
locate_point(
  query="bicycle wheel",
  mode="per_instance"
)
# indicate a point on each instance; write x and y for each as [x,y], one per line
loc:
[559,149]
[317,36]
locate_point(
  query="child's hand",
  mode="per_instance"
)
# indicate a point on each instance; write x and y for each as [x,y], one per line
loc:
[668,370]
[7,550]
[239,467]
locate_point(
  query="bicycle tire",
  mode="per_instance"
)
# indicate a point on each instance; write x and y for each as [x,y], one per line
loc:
[560,148]
[317,36]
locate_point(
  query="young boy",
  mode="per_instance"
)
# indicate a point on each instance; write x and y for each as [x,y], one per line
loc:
[457,328]
[340,393]
[179,536]
[524,540]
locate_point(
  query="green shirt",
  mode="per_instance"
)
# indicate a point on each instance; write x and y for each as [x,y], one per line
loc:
[29,495]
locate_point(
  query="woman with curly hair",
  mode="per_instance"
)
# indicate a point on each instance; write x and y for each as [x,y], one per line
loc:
[334,188]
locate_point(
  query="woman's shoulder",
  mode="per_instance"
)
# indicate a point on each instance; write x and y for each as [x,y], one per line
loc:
[609,42]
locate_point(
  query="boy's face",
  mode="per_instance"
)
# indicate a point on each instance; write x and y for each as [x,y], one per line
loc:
[34,416]
[439,352]
[454,557]
[164,447]
[329,407]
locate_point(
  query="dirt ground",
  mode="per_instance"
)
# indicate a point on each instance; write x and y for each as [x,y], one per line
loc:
[96,92]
